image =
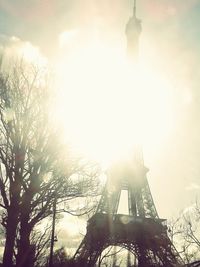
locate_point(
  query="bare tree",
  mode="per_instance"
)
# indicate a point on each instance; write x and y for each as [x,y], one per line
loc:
[108,255]
[60,258]
[40,240]
[184,233]
[35,167]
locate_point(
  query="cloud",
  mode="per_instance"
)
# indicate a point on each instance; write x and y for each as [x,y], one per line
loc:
[13,47]
[192,187]
[66,36]
[189,209]
[70,231]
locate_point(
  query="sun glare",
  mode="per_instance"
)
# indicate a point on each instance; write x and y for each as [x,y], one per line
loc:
[107,106]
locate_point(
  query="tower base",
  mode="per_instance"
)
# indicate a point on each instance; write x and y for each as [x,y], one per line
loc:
[146,238]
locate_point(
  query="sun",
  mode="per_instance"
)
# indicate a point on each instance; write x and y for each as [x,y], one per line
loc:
[107,106]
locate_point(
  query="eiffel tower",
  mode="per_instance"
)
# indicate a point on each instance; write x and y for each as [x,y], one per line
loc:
[141,231]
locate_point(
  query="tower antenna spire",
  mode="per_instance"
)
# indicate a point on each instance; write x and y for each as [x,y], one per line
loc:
[133,31]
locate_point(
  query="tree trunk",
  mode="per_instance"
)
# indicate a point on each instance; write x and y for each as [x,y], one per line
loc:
[25,255]
[26,252]
[12,222]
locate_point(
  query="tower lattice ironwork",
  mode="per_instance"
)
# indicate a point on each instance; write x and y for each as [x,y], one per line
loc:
[141,232]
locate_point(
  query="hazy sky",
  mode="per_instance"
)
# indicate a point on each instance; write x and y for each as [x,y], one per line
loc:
[169,47]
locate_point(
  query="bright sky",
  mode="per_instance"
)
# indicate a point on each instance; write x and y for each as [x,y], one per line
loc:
[158,106]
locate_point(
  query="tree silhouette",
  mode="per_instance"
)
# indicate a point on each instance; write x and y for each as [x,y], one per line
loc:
[184,233]
[35,166]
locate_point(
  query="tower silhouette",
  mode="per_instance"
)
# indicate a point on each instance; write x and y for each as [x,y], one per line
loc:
[140,231]
[133,31]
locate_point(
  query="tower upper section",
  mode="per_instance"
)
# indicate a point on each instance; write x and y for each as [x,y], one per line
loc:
[133,31]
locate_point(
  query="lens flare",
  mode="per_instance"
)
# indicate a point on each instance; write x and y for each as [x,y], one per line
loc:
[107,106]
